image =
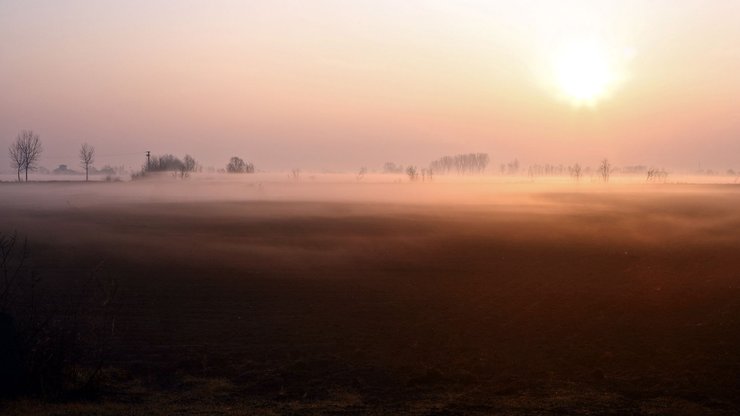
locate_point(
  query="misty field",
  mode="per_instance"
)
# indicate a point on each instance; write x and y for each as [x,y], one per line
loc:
[426,298]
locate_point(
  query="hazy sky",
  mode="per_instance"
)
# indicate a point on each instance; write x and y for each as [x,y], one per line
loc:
[339,84]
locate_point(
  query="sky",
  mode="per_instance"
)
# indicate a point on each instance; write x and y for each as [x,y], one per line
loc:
[335,85]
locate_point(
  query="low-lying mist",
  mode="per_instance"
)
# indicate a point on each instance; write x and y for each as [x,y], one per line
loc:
[339,211]
[381,188]
[395,291]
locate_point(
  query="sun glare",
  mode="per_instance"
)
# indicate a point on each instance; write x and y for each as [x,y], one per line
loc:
[584,72]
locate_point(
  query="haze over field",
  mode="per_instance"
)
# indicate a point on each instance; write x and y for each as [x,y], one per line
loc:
[418,207]
[282,297]
[337,85]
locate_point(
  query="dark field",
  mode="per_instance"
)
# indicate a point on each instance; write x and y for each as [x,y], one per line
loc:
[570,301]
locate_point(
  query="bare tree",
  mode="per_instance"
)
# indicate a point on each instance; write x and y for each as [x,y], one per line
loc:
[512,168]
[295,174]
[413,173]
[15,151]
[31,150]
[361,174]
[605,170]
[25,152]
[87,158]
[188,165]
[576,172]
[657,175]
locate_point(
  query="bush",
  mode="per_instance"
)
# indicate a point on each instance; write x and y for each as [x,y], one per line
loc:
[49,348]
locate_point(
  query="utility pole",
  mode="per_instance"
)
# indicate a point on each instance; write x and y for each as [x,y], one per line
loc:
[148,162]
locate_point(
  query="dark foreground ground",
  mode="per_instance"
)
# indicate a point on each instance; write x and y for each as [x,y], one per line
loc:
[571,303]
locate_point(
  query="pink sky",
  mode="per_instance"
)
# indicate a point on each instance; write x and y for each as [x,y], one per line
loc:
[339,84]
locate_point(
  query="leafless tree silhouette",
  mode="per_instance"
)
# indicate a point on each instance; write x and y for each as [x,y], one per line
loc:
[87,158]
[576,172]
[605,170]
[189,165]
[15,152]
[361,174]
[413,173]
[657,175]
[25,152]
[512,168]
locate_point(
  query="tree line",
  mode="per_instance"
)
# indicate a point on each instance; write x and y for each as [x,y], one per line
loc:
[25,153]
[461,164]
[184,167]
[171,163]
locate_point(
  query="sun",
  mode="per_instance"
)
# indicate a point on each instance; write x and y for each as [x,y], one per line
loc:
[584,72]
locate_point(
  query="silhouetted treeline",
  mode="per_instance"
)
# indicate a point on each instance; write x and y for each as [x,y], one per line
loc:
[169,163]
[547,170]
[461,164]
